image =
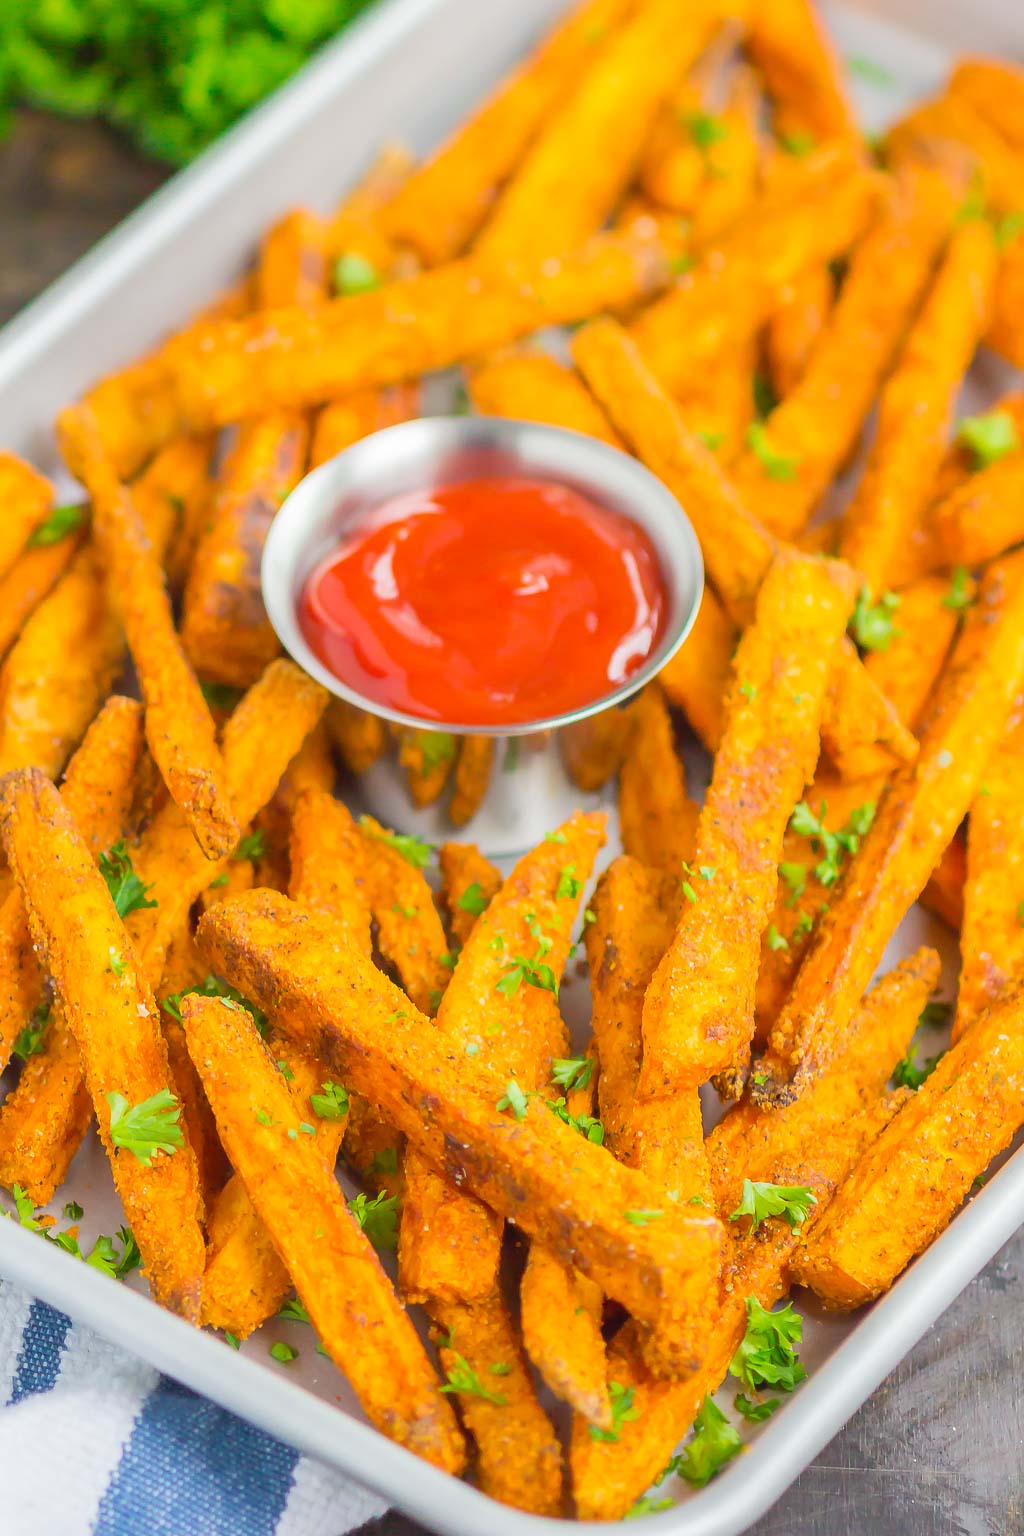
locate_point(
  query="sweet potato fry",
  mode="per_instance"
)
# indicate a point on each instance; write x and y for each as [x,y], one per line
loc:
[992,934]
[732,163]
[245,1281]
[657,818]
[519,1458]
[327,865]
[917,817]
[179,727]
[995,89]
[469,883]
[176,479]
[917,404]
[720,407]
[264,733]
[985,516]
[292,266]
[31,578]
[45,1116]
[908,1185]
[533,386]
[943,896]
[948,127]
[349,1298]
[428,758]
[471,779]
[401,330]
[442,205]
[560,1188]
[344,422]
[696,680]
[796,327]
[792,49]
[593,749]
[26,497]
[815,428]
[673,169]
[224,627]
[360,737]
[1006,333]
[59,670]
[409,929]
[699,1010]
[502,998]
[114,1019]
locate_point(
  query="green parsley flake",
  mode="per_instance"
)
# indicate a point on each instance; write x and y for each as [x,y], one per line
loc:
[571,1072]
[252,846]
[990,437]
[514,1099]
[55,526]
[624,1411]
[378,1218]
[798,144]
[761,1201]
[776,465]
[961,590]
[463,1379]
[127,891]
[31,1036]
[354,274]
[646,1505]
[294,1309]
[568,886]
[472,899]
[413,849]
[285,1353]
[331,1103]
[755,1413]
[872,623]
[145,1128]
[907,1074]
[641,1218]
[774,939]
[704,129]
[766,1356]
[714,1442]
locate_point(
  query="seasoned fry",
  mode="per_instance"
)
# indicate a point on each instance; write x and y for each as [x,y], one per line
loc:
[949,126]
[344,422]
[178,479]
[1006,334]
[697,677]
[737,549]
[443,204]
[943,896]
[908,668]
[179,727]
[559,1187]
[908,1185]
[815,428]
[360,737]
[593,749]
[292,265]
[261,737]
[794,332]
[720,407]
[983,517]
[533,386]
[995,89]
[401,330]
[471,779]
[31,578]
[732,163]
[917,405]
[409,929]
[356,226]
[114,1019]
[428,758]
[26,497]
[992,934]
[699,1010]
[45,1117]
[349,1298]
[657,818]
[224,628]
[916,819]
[794,53]
[327,857]
[502,998]
[469,883]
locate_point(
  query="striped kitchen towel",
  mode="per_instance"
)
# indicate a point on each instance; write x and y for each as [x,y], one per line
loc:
[94,1443]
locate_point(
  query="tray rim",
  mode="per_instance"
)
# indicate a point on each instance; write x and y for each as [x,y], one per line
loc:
[784,1447]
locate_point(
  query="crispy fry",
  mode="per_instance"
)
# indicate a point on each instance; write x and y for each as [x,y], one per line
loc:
[443,204]
[356,226]
[293,261]
[26,498]
[657,818]
[1006,333]
[471,779]
[401,330]
[409,929]
[114,1019]
[948,128]
[793,51]
[985,516]
[561,1316]
[559,1187]
[908,668]
[344,422]
[816,427]
[45,1117]
[992,934]
[519,1458]
[312,767]
[673,168]
[719,407]
[737,548]
[995,89]
[178,478]
[917,405]
[327,857]
[338,1275]
[179,728]
[795,329]
[428,758]
[696,679]
[359,736]
[59,670]
[908,1185]
[245,1280]
[817,214]
[224,628]
[943,896]
[731,164]
[917,817]
[31,578]
[469,883]
[699,1011]
[259,740]
[449,1245]
[533,386]
[593,749]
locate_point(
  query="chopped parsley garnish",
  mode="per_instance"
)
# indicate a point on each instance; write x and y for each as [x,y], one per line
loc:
[712,442]
[104,1254]
[571,1072]
[105,1257]
[760,1201]
[755,1413]
[413,849]
[514,1099]
[1008,228]
[385,1161]
[331,1103]
[774,939]
[568,886]
[55,526]
[534,972]
[30,1037]
[623,1412]
[641,1218]
[285,1353]
[436,747]
[73,1211]
[472,899]
[294,1309]
[127,891]
[870,71]
[587,1125]
[714,1442]
[378,1218]
[936,1012]
[354,274]
[118,964]
[797,144]
[766,1356]
[252,846]
[907,1074]
[765,398]
[221,696]
[704,129]
[232,1339]
[145,1128]
[212,986]
[749,691]
[795,876]
[646,1505]
[990,437]
[776,465]
[555,837]
[872,623]
[462,1378]
[959,595]
[833,846]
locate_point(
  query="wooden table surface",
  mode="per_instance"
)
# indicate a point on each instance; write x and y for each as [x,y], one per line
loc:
[937,1451]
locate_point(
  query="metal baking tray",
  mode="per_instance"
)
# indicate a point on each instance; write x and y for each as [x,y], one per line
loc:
[410,70]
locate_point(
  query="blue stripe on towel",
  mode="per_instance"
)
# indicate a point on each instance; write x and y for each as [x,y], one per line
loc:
[191,1467]
[42,1344]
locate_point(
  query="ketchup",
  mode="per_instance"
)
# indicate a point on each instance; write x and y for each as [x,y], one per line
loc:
[492,602]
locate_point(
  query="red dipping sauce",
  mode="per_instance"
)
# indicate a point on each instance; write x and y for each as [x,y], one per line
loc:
[492,602]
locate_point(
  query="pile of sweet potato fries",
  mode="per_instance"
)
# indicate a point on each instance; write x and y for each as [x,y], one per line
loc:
[202,950]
